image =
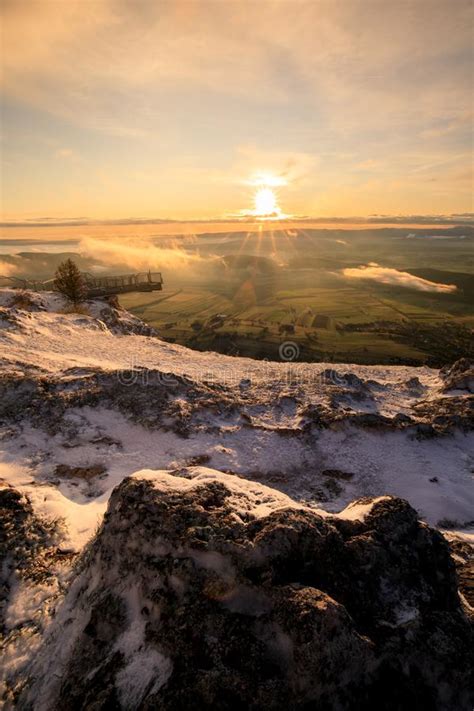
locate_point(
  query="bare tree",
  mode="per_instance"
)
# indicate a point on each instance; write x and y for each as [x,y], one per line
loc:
[69,281]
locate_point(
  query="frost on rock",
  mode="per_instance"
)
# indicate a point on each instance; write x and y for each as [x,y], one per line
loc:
[205,591]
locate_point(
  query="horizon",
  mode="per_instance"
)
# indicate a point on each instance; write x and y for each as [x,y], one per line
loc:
[19,234]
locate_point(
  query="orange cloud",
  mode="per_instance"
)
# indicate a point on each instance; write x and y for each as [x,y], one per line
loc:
[7,269]
[141,255]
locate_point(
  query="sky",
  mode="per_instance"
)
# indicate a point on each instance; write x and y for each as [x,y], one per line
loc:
[151,109]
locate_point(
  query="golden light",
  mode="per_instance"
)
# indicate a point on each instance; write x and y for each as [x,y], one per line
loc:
[265,203]
[267,179]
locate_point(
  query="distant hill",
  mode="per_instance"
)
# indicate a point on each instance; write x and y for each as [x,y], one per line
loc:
[249,261]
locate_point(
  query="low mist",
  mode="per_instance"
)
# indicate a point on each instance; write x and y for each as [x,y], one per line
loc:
[387,275]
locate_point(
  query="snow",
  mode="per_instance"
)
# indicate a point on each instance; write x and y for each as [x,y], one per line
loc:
[467,535]
[26,601]
[145,672]
[81,519]
[264,441]
[261,449]
[358,511]
[54,342]
[398,464]
[143,669]
[406,614]
[381,463]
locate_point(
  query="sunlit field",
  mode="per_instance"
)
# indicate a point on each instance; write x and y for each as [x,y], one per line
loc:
[250,298]
[360,295]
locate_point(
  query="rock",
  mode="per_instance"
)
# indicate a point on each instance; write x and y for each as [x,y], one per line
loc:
[33,573]
[8,319]
[445,414]
[370,420]
[425,431]
[245,383]
[402,420]
[414,385]
[210,591]
[28,544]
[463,556]
[118,320]
[460,376]
[337,474]
[64,471]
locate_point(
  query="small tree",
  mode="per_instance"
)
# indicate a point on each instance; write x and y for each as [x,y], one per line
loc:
[69,281]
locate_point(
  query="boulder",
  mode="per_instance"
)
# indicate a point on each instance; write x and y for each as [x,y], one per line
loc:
[208,591]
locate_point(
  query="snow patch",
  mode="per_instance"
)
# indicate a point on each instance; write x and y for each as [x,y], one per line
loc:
[358,511]
[145,673]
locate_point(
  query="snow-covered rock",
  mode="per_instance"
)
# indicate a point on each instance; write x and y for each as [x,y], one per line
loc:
[34,569]
[206,591]
[460,376]
[88,399]
[103,313]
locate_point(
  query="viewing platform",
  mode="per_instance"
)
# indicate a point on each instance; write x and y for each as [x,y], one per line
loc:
[122,284]
[96,286]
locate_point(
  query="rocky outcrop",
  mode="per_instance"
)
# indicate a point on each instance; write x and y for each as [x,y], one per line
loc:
[459,376]
[117,319]
[155,398]
[150,398]
[445,414]
[208,591]
[105,312]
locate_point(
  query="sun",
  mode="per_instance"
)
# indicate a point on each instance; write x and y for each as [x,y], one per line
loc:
[265,203]
[265,197]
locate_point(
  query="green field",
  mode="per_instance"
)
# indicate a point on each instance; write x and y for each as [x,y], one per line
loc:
[251,304]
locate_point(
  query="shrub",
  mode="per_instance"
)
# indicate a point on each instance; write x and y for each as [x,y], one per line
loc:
[449,524]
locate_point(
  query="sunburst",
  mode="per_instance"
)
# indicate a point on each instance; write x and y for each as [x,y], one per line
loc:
[266,204]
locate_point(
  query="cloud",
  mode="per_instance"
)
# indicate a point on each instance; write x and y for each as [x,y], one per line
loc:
[7,269]
[140,256]
[387,275]
[307,82]
[97,64]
